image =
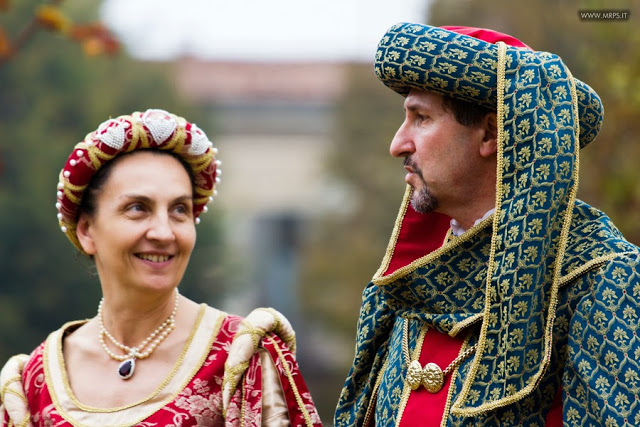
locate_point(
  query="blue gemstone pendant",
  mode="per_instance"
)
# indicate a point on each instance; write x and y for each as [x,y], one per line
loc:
[127,368]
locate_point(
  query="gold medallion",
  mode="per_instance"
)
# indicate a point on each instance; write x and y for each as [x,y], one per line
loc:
[414,375]
[432,378]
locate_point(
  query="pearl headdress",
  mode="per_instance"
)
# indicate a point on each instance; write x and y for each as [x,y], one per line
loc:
[157,129]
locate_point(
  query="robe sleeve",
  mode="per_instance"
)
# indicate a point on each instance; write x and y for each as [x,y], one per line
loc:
[602,373]
[274,405]
[13,402]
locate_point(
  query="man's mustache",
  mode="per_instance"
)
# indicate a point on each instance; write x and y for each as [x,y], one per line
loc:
[409,162]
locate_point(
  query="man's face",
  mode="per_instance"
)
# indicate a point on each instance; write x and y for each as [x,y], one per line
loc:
[440,155]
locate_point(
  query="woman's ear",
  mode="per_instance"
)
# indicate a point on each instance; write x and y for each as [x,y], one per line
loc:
[83,231]
[489,144]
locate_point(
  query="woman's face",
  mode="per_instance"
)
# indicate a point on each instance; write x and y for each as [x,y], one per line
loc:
[142,232]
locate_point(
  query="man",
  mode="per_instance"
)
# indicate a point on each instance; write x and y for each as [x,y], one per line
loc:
[502,299]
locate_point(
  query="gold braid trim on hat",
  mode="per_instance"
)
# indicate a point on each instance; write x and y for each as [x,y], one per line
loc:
[491,265]
[126,134]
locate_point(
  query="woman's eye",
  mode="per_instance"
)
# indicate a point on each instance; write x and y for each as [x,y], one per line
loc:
[182,209]
[136,207]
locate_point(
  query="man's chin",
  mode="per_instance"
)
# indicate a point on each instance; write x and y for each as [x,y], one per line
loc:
[423,201]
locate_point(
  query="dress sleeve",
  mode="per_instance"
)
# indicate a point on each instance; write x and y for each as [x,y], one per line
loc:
[13,402]
[602,372]
[274,405]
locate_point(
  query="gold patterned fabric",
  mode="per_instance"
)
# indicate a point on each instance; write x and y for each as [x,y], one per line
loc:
[546,287]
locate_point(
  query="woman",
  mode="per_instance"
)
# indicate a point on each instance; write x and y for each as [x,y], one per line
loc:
[129,197]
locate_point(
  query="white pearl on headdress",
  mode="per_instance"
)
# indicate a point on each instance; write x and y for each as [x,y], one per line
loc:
[59,216]
[215,150]
[60,186]
[60,194]
[64,229]
[205,209]
[215,193]
[218,162]
[58,205]
[161,124]
[217,179]
[218,172]
[79,153]
[112,133]
[72,162]
[66,174]
[199,141]
[197,221]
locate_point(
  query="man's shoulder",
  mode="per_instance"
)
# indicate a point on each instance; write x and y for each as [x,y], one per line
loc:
[593,240]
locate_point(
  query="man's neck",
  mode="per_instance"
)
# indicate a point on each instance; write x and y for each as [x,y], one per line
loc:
[458,229]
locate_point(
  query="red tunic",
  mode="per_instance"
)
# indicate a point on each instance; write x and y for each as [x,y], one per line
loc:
[190,395]
[419,235]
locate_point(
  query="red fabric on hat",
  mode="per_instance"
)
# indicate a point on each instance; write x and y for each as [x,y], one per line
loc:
[487,35]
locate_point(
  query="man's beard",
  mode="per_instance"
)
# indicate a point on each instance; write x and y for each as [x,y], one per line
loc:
[422,200]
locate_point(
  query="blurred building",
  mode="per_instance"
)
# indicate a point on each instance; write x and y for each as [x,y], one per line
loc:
[273,124]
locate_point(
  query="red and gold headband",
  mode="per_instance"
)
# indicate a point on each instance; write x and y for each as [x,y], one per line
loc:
[153,129]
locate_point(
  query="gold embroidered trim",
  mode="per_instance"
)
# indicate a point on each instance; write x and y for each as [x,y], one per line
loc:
[456,408]
[454,375]
[406,389]
[465,324]
[396,232]
[374,394]
[502,51]
[445,248]
[589,265]
[48,378]
[296,392]
[243,393]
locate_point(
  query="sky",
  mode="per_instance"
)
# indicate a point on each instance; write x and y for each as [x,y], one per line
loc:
[257,30]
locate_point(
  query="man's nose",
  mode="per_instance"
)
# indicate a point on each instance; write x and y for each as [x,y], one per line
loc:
[402,144]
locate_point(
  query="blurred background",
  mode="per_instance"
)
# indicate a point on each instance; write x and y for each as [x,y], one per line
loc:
[286,91]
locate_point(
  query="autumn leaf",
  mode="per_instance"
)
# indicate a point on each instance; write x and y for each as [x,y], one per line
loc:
[5,44]
[51,18]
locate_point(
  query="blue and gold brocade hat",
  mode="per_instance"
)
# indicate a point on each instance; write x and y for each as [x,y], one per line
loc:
[460,62]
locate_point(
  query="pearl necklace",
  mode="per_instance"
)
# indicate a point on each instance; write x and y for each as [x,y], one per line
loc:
[431,376]
[128,365]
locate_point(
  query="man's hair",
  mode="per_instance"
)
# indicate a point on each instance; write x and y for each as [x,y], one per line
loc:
[466,113]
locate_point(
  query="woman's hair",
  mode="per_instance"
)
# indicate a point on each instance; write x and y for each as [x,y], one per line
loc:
[88,203]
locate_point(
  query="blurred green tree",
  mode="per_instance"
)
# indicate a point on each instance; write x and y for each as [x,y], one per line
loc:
[51,95]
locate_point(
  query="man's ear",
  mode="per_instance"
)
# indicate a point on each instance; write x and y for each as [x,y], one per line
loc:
[83,231]
[489,145]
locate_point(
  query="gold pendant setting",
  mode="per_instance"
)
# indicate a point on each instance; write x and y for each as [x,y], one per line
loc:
[431,376]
